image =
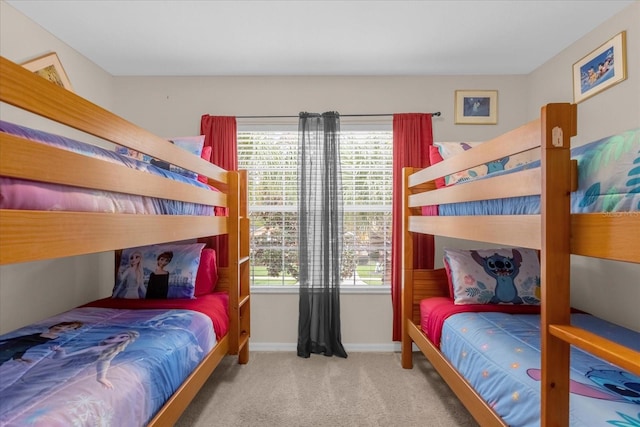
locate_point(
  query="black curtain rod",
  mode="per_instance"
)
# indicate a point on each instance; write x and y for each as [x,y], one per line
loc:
[436,114]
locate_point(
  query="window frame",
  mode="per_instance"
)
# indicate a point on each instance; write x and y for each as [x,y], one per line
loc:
[270,125]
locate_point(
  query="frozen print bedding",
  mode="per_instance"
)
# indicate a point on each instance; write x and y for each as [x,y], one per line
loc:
[99,366]
[31,195]
[214,304]
[499,355]
[608,181]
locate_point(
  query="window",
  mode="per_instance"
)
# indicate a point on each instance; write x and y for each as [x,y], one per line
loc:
[270,158]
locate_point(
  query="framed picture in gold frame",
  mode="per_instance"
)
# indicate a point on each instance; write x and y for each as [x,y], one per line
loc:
[476,107]
[49,67]
[601,69]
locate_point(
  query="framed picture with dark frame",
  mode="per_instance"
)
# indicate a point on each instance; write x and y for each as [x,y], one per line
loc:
[49,67]
[601,69]
[476,107]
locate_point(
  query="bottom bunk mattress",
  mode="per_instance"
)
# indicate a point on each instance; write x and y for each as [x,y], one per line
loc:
[499,355]
[100,366]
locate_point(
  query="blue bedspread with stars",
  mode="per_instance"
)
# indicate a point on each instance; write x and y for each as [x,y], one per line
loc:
[499,355]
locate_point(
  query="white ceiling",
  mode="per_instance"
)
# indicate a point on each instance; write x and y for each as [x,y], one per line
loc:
[305,37]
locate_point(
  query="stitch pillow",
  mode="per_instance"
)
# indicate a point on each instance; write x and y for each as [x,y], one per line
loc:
[164,271]
[207,276]
[494,276]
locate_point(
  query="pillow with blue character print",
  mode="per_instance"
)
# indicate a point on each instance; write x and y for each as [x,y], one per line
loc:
[494,276]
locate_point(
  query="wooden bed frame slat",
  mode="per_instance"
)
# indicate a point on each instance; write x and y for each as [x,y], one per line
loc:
[606,349]
[173,409]
[480,410]
[526,183]
[26,159]
[517,184]
[612,236]
[61,234]
[522,139]
[520,230]
[26,90]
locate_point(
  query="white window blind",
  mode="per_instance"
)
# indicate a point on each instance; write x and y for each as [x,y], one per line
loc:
[270,158]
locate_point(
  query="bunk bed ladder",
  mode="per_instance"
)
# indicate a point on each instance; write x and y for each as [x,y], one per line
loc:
[612,352]
[239,292]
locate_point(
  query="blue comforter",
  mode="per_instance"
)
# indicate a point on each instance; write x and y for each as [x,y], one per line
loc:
[499,354]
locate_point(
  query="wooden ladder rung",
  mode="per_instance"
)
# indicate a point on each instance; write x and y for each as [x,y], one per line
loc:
[613,352]
[244,339]
[243,300]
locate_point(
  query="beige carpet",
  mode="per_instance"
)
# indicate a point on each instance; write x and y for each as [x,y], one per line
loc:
[366,389]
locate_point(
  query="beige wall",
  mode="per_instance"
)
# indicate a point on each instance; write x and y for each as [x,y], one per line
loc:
[615,109]
[172,106]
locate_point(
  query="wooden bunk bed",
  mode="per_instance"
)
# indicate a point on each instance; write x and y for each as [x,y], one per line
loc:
[555,232]
[36,235]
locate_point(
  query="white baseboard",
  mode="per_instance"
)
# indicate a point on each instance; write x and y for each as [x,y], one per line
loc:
[349,347]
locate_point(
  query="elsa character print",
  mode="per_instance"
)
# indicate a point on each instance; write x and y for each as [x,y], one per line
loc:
[131,283]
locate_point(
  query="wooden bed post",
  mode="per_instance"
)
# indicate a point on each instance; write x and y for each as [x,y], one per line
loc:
[239,293]
[558,122]
[407,272]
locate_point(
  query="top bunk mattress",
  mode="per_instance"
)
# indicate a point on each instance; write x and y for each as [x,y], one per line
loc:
[608,181]
[34,195]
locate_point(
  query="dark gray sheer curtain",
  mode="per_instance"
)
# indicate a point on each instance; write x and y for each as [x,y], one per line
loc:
[320,215]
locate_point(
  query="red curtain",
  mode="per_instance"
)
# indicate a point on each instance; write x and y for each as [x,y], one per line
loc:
[412,136]
[221,135]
